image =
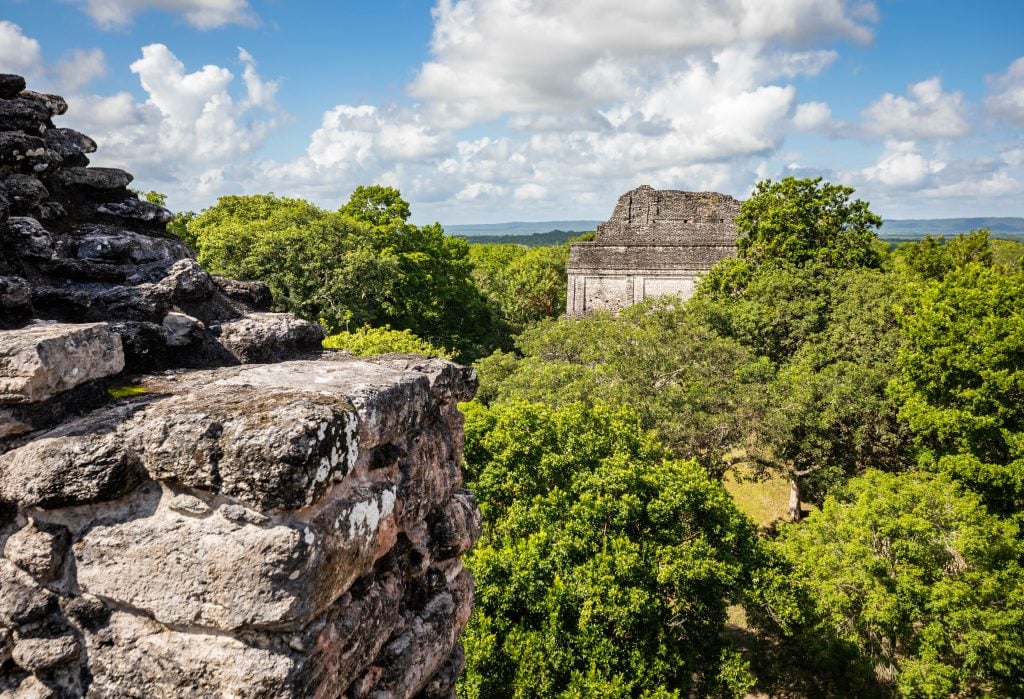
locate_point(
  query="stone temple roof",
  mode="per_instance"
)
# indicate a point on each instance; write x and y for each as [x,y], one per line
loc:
[647,216]
[662,229]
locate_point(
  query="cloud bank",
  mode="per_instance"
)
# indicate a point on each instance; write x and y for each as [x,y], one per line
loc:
[536,110]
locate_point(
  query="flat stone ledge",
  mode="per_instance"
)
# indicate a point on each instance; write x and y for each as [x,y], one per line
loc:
[39,361]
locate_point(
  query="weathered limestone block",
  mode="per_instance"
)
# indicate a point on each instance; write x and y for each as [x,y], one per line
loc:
[135,210]
[181,329]
[268,449]
[222,573]
[409,660]
[254,296]
[30,688]
[29,238]
[36,654]
[196,571]
[455,527]
[15,301]
[55,104]
[10,85]
[23,600]
[100,243]
[94,177]
[133,656]
[16,146]
[24,193]
[28,154]
[70,145]
[39,551]
[83,462]
[269,337]
[29,116]
[40,361]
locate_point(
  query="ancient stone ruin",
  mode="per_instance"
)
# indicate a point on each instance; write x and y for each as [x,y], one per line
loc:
[195,501]
[656,242]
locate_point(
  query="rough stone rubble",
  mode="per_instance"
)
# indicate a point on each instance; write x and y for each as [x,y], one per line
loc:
[193,500]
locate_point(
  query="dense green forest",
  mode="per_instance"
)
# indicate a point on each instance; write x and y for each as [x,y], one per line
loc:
[532,240]
[883,388]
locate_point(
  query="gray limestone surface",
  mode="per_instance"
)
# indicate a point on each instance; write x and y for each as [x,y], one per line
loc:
[195,500]
[40,361]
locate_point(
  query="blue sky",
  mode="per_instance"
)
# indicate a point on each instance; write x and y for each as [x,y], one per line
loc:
[497,110]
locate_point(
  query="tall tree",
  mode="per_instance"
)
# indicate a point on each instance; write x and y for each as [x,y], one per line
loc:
[604,569]
[802,243]
[523,284]
[698,391]
[961,380]
[377,205]
[348,272]
[802,220]
[917,575]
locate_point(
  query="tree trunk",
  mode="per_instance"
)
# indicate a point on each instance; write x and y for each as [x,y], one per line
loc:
[795,513]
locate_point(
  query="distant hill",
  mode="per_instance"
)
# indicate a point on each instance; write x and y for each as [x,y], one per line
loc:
[467,230]
[916,228]
[534,233]
[532,240]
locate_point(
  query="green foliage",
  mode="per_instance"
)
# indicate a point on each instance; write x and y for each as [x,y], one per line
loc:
[346,271]
[797,237]
[961,378]
[179,227]
[656,357]
[798,221]
[933,257]
[1007,253]
[377,205]
[367,342]
[522,284]
[154,197]
[830,414]
[772,311]
[807,291]
[921,579]
[604,569]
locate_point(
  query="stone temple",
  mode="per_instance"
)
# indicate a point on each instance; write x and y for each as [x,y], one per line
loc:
[656,242]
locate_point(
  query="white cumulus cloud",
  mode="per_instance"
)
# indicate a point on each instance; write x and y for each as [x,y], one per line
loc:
[493,57]
[23,55]
[1007,94]
[926,112]
[203,14]
[902,166]
[813,117]
[78,68]
[19,54]
[189,128]
[365,136]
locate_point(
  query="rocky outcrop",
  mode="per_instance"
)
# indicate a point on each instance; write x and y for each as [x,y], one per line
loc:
[76,245]
[255,519]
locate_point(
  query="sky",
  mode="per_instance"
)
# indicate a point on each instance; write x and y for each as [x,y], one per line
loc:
[484,111]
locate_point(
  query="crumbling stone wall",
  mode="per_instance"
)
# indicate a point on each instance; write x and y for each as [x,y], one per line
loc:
[195,501]
[656,242]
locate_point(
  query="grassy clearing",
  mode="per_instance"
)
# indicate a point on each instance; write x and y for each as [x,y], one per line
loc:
[765,502]
[120,392]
